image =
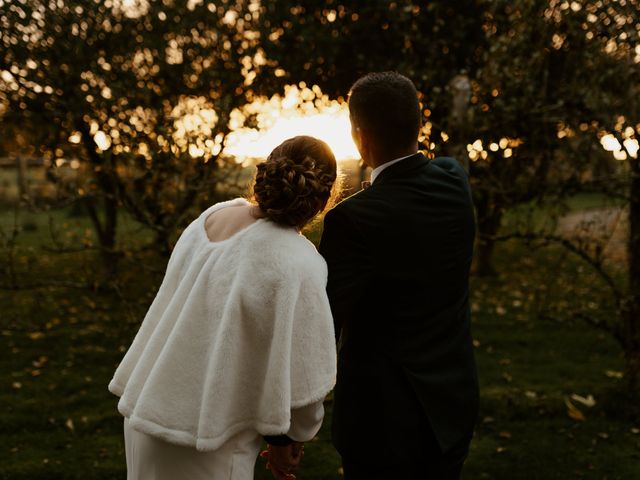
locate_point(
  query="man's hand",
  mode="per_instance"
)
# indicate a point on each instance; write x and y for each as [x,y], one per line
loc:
[284,461]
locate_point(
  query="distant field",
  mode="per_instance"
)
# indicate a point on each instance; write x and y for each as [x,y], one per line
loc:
[40,186]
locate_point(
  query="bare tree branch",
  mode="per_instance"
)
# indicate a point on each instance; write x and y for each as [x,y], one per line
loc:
[594,262]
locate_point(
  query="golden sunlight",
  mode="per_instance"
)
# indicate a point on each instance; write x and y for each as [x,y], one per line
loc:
[610,143]
[302,111]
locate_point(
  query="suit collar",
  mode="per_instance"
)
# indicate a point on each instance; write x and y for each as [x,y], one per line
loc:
[400,168]
[380,168]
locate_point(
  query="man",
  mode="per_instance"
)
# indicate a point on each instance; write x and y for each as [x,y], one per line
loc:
[399,254]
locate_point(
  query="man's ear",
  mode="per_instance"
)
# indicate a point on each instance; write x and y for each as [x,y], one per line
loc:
[354,131]
[360,138]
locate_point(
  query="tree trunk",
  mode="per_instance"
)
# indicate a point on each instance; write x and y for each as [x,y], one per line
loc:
[108,242]
[489,218]
[106,233]
[632,374]
[23,182]
[460,89]
[632,317]
[106,176]
[163,240]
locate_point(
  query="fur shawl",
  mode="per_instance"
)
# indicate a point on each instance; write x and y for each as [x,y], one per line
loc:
[239,333]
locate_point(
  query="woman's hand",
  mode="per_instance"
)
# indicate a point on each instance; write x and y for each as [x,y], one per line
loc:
[284,461]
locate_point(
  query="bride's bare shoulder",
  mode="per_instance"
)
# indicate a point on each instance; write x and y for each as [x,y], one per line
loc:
[224,223]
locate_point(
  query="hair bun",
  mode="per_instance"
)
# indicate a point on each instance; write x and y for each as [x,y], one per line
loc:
[295,181]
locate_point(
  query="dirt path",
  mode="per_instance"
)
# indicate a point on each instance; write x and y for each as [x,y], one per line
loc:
[604,228]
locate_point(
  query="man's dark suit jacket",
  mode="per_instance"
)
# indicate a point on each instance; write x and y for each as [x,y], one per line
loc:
[399,255]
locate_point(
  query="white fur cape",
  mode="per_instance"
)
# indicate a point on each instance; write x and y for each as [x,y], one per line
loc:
[239,333]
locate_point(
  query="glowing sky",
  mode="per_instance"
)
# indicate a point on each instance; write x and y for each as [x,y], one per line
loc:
[302,111]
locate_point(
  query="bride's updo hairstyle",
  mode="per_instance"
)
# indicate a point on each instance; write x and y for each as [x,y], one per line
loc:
[295,182]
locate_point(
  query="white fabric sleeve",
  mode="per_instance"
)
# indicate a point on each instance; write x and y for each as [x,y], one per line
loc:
[306,421]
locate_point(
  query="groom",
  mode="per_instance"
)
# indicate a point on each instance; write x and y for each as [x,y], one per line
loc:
[399,252]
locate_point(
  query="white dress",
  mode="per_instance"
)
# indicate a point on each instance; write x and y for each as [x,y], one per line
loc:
[149,458]
[238,343]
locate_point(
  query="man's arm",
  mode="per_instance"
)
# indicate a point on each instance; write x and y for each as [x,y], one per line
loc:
[344,248]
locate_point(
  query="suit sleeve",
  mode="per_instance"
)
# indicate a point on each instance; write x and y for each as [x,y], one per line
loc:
[344,248]
[450,164]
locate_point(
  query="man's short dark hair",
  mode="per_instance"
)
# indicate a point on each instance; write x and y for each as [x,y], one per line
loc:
[385,104]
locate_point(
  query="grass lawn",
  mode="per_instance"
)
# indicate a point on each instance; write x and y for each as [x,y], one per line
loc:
[61,345]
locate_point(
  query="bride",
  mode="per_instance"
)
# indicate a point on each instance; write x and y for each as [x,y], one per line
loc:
[238,345]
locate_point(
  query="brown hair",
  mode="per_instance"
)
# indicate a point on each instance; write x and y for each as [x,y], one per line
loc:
[295,182]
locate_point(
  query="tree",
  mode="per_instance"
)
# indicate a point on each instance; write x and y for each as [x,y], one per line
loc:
[141,92]
[339,41]
[589,81]
[531,97]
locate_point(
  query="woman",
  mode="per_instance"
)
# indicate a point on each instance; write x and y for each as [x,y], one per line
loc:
[238,344]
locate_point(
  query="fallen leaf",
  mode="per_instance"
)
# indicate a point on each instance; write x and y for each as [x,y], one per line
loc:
[573,412]
[505,435]
[36,335]
[613,374]
[588,401]
[530,394]
[54,322]
[40,362]
[69,424]
[16,385]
